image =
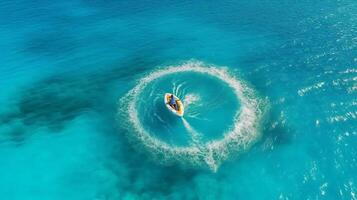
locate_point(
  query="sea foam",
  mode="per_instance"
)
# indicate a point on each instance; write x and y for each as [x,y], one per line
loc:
[211,154]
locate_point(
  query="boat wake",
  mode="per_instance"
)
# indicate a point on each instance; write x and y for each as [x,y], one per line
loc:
[195,135]
[243,133]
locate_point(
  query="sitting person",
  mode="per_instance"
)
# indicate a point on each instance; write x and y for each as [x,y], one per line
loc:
[172,102]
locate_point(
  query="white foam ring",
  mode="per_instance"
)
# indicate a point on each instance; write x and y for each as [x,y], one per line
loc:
[237,139]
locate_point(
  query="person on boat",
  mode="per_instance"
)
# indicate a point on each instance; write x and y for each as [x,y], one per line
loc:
[172,102]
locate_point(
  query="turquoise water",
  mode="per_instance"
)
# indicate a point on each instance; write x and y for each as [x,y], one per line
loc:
[269,89]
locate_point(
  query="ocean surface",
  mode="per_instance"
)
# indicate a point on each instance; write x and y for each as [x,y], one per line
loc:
[269,89]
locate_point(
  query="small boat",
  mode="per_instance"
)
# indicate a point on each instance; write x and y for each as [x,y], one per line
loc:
[180,110]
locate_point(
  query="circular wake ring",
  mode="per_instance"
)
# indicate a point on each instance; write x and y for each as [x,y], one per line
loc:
[238,138]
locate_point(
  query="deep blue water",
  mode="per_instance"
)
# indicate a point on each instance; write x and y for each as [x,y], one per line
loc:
[269,88]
